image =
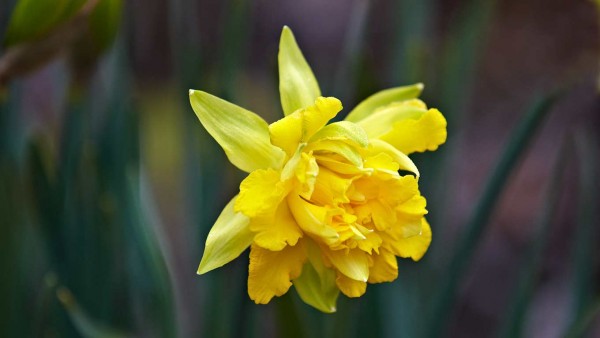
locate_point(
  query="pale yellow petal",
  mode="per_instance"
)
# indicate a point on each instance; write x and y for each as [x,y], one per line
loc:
[275,231]
[382,120]
[352,263]
[342,131]
[350,287]
[243,135]
[298,87]
[404,162]
[383,98]
[270,272]
[384,268]
[227,239]
[312,219]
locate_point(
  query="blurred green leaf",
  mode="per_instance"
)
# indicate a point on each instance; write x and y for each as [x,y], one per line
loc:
[348,68]
[460,260]
[532,265]
[32,19]
[584,246]
[85,325]
[411,42]
[105,22]
[583,322]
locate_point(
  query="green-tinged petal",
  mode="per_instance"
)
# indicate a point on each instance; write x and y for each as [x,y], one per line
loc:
[341,148]
[242,134]
[227,239]
[378,146]
[342,131]
[383,98]
[352,263]
[382,120]
[316,286]
[298,86]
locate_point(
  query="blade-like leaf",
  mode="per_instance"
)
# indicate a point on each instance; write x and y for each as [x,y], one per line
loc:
[298,87]
[460,260]
[583,248]
[84,324]
[531,268]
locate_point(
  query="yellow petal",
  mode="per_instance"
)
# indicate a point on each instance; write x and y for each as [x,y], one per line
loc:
[288,132]
[316,285]
[330,188]
[227,239]
[341,148]
[344,131]
[350,287]
[270,272]
[243,135]
[352,263]
[405,163]
[384,268]
[274,232]
[382,120]
[415,246]
[339,165]
[312,219]
[425,133]
[298,87]
[383,98]
[260,193]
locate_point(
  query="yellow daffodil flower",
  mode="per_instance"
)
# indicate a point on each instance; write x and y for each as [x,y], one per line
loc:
[324,206]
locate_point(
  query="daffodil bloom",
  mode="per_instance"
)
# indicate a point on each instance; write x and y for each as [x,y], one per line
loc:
[324,207]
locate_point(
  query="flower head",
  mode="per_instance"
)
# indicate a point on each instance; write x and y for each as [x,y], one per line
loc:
[324,207]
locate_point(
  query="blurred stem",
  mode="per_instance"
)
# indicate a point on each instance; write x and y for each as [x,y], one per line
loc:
[30,55]
[235,38]
[452,89]
[531,268]
[352,54]
[10,224]
[584,321]
[411,40]
[288,319]
[587,219]
[461,257]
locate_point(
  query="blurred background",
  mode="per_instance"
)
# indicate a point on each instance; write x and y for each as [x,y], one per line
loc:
[109,184]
